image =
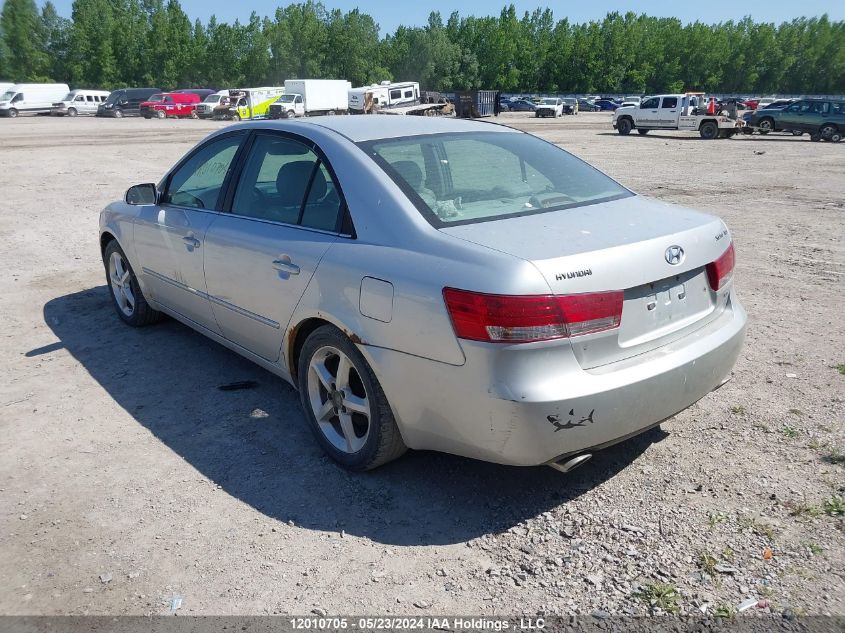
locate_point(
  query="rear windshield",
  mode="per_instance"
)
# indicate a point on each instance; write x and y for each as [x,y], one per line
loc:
[479,176]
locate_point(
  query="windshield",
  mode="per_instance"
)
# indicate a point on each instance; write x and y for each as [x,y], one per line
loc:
[8,96]
[286,99]
[568,101]
[68,97]
[478,176]
[549,101]
[213,98]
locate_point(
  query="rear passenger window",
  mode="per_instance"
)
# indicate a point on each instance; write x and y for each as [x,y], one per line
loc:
[409,93]
[395,94]
[285,181]
[670,102]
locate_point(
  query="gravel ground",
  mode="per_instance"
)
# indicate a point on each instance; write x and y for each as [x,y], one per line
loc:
[129,480]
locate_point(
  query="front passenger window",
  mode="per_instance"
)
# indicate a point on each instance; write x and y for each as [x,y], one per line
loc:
[198,181]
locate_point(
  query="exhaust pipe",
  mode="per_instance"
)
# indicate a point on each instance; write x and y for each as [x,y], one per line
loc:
[568,464]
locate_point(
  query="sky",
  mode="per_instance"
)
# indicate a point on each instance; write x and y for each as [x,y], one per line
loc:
[391,13]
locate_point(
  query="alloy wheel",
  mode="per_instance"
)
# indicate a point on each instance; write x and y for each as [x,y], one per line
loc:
[338,399]
[121,284]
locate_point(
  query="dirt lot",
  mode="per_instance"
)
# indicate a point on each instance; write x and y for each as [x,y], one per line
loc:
[127,478]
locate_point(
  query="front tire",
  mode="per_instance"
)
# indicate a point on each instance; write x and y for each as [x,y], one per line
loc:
[830,133]
[127,298]
[642,132]
[766,125]
[118,114]
[236,117]
[71,112]
[12,113]
[624,127]
[161,114]
[344,404]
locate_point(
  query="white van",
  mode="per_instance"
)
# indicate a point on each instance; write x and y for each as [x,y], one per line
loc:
[80,102]
[34,98]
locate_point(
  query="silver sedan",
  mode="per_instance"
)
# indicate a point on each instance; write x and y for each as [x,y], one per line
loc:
[434,284]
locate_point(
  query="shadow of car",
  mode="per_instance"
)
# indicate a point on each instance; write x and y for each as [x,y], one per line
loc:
[243,429]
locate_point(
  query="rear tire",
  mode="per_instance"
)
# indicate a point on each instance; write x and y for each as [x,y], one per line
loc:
[709,130]
[815,137]
[126,295]
[642,132]
[236,117]
[346,409]
[624,127]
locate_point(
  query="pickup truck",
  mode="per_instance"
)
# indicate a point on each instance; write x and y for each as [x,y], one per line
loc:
[682,112]
[552,107]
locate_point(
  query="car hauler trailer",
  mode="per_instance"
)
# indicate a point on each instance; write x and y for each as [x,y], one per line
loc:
[396,98]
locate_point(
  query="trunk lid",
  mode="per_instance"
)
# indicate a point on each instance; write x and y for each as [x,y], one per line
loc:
[620,245]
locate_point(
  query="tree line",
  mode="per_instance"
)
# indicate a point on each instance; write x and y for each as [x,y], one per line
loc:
[111,43]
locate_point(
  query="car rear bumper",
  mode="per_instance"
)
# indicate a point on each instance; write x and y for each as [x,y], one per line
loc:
[532,404]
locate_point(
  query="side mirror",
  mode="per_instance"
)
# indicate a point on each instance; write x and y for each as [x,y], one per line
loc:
[142,194]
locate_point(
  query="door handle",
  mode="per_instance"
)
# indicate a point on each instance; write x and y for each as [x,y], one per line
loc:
[191,241]
[284,265]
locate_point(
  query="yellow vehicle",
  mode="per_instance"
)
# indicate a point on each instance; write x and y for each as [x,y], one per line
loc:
[248,103]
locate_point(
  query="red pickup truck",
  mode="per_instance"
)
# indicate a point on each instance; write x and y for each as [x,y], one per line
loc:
[173,104]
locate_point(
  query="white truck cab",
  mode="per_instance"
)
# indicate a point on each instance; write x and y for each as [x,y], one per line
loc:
[683,112]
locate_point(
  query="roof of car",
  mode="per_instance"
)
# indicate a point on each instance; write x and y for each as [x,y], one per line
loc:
[358,128]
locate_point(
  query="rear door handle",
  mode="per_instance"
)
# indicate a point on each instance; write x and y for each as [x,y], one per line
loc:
[284,265]
[191,241]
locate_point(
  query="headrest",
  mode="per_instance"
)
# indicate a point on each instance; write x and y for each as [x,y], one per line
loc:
[293,179]
[410,172]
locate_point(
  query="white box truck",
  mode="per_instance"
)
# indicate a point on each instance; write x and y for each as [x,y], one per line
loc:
[311,97]
[31,98]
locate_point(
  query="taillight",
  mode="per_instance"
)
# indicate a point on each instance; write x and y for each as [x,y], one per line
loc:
[720,272]
[522,319]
